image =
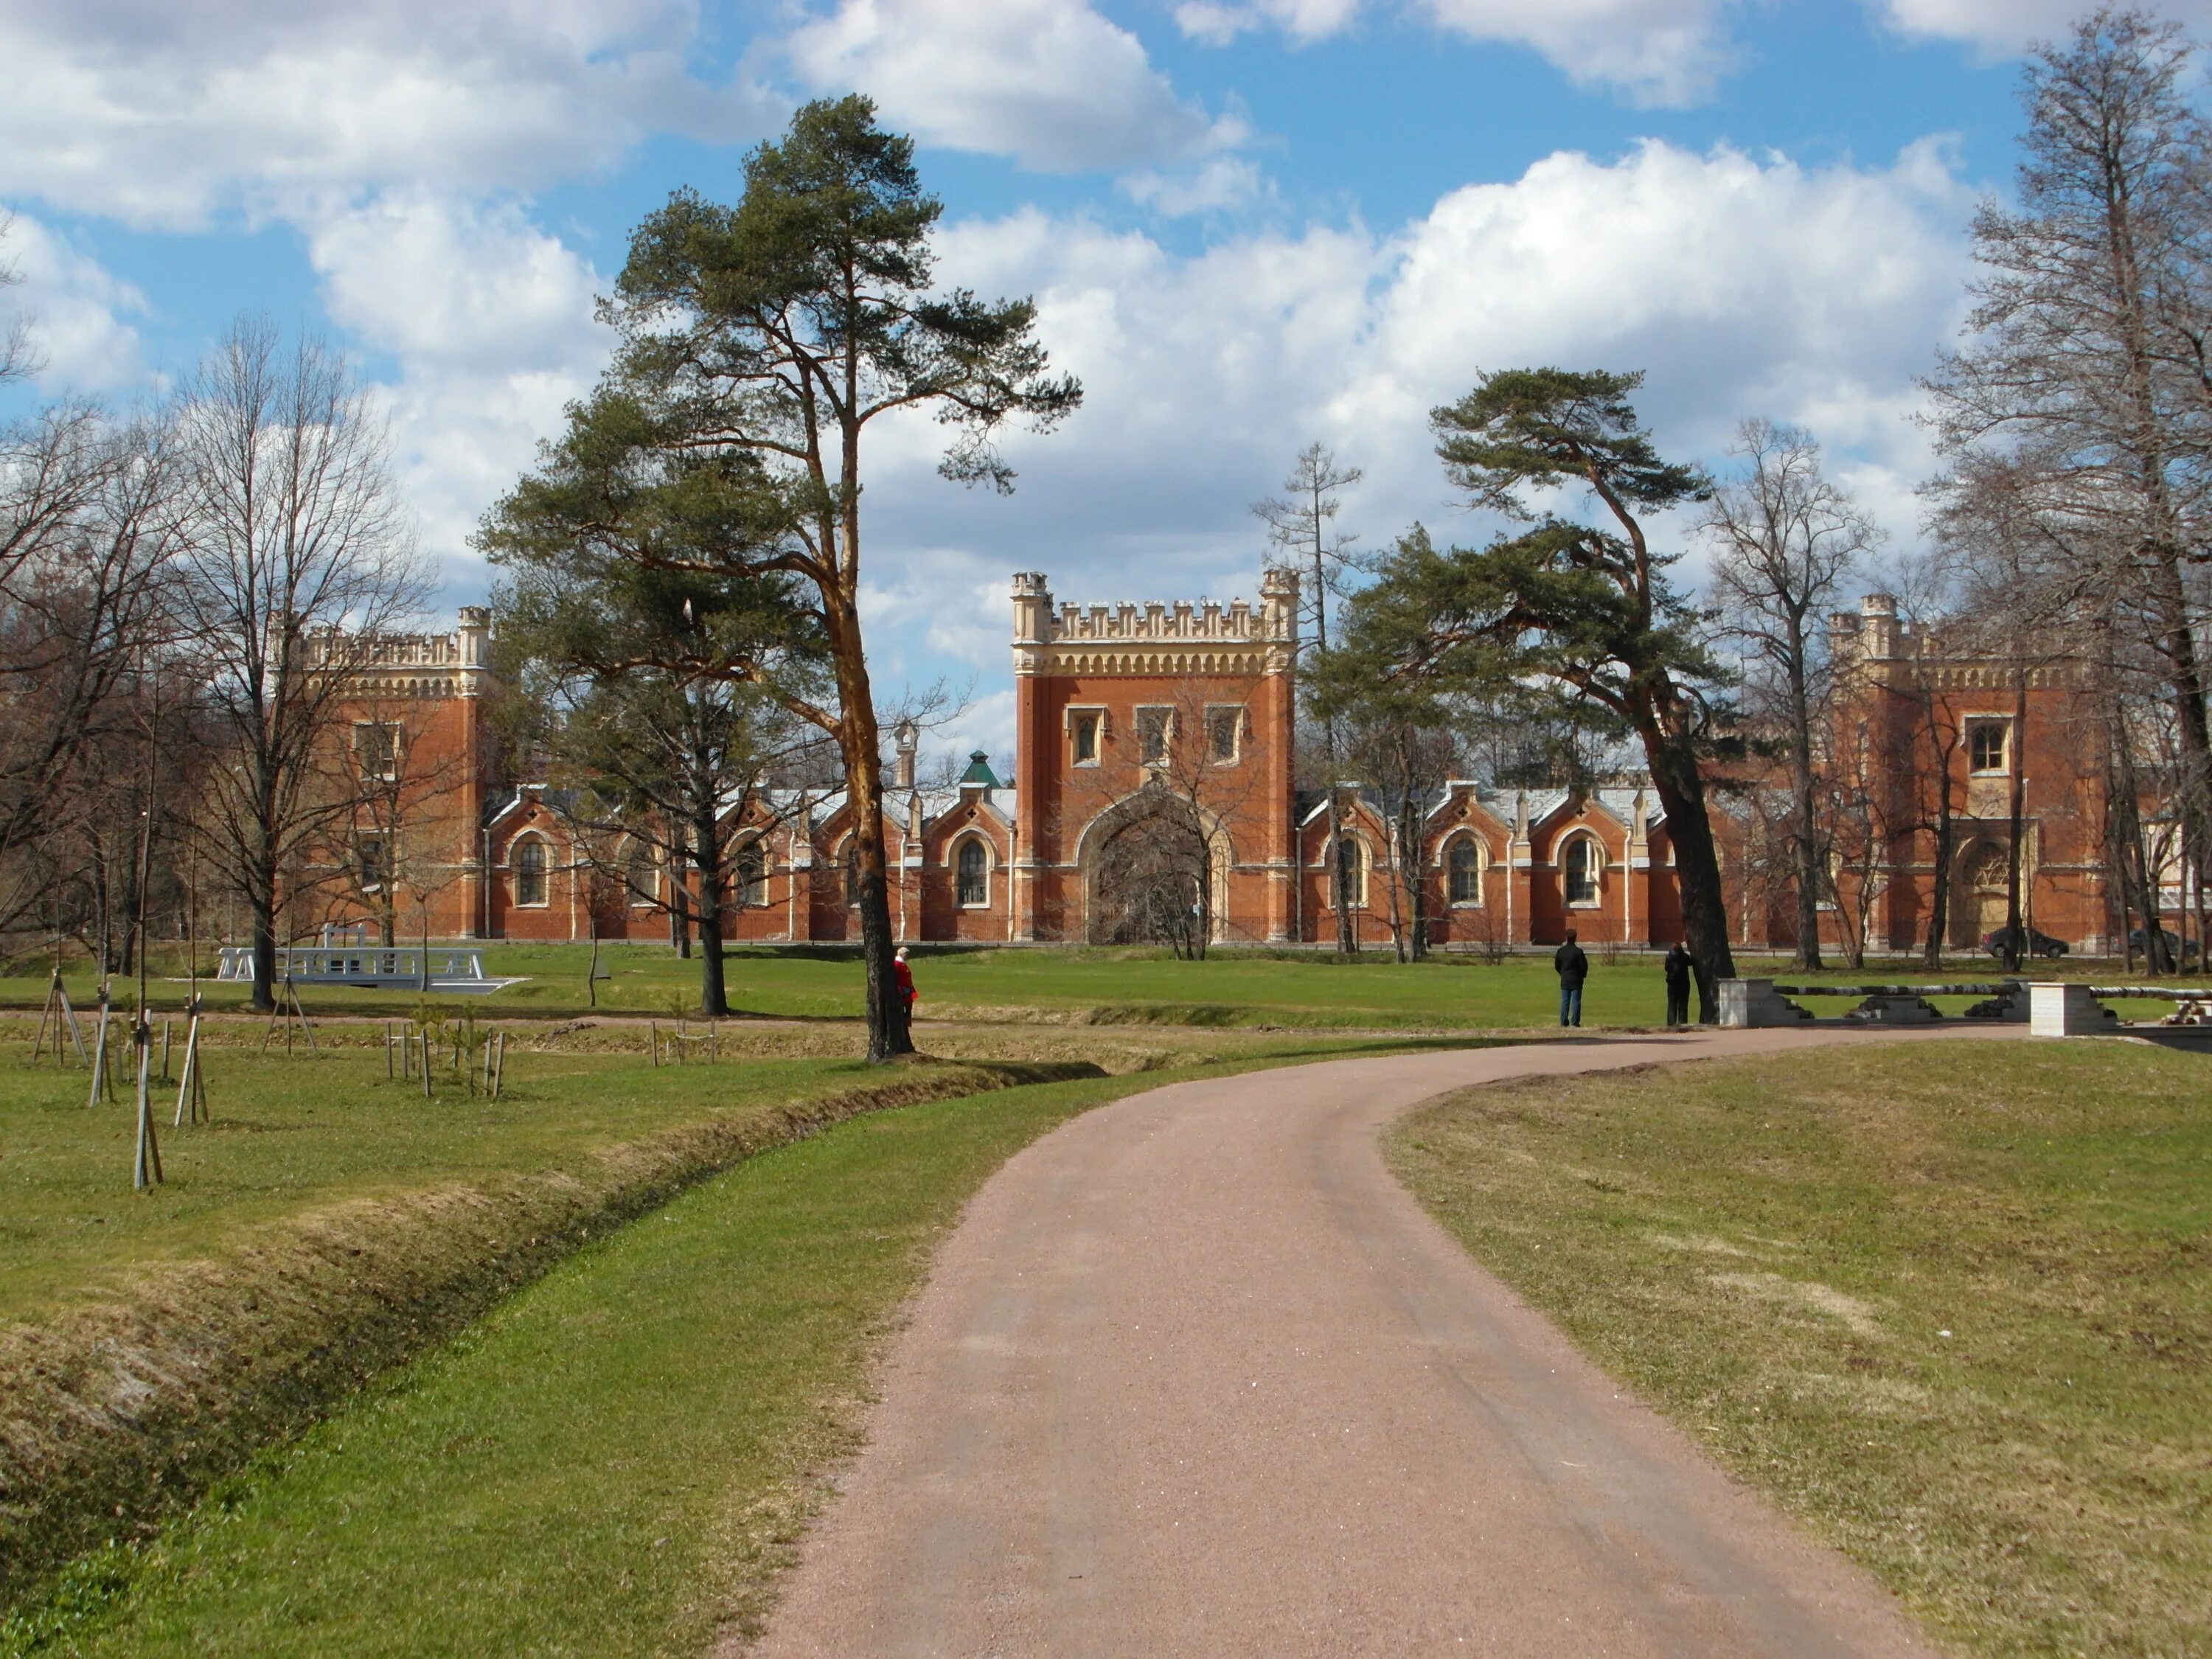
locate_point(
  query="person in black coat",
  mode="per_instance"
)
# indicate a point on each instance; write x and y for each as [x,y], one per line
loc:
[1678,986]
[1572,968]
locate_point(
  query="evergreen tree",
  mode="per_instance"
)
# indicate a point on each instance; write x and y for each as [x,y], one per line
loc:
[1588,605]
[771,336]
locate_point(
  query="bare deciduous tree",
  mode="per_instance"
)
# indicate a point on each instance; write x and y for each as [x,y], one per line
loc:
[2087,346]
[1785,540]
[298,555]
[1300,527]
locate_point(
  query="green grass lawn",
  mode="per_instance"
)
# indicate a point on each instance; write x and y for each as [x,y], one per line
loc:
[1953,1305]
[293,1136]
[1229,988]
[614,1462]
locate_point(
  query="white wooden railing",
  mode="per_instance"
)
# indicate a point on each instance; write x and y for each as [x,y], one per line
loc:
[382,966]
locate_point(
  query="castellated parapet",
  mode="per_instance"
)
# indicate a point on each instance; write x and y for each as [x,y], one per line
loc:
[1155,636]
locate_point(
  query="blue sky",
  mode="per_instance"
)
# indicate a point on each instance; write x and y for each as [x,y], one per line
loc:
[1250,224]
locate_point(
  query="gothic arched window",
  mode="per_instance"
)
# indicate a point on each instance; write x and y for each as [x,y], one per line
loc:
[1352,867]
[751,870]
[639,876]
[1464,865]
[530,871]
[1579,869]
[973,871]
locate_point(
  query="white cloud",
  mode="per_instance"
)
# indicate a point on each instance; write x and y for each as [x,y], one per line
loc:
[2000,27]
[76,310]
[1217,22]
[1655,52]
[1051,83]
[160,114]
[1743,284]
[489,319]
[1214,186]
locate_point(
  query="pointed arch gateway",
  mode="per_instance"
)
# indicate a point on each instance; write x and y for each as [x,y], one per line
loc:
[1155,871]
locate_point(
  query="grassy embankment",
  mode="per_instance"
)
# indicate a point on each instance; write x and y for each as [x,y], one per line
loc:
[614,1460]
[1953,1307]
[1079,985]
[328,1225]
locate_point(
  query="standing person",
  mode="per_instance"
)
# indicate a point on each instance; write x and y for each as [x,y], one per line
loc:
[1572,968]
[1678,986]
[905,975]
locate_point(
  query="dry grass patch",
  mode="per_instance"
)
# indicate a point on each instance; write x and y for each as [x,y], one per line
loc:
[1951,1304]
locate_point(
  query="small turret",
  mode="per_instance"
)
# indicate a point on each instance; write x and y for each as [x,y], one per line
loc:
[475,635]
[1278,604]
[906,741]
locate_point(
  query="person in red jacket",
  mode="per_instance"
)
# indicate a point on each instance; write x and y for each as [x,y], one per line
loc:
[905,976]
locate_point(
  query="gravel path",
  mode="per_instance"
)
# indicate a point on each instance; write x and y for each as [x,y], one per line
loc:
[1195,1376]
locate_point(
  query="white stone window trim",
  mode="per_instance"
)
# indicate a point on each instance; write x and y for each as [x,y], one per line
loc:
[753,847]
[1092,711]
[393,755]
[1241,716]
[530,838]
[1166,711]
[1596,900]
[649,896]
[381,840]
[1364,868]
[961,843]
[1453,842]
[1969,725]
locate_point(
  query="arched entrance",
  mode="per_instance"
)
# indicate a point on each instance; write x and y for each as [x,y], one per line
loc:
[1979,893]
[1155,871]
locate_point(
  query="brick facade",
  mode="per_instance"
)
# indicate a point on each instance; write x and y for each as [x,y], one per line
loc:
[1114,705]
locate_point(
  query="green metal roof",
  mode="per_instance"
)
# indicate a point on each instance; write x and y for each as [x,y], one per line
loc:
[979,771]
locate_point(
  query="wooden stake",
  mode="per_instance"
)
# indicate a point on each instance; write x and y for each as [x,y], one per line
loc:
[166,1078]
[100,1081]
[63,1017]
[653,1036]
[499,1069]
[426,1065]
[146,1163]
[192,1093]
[387,1051]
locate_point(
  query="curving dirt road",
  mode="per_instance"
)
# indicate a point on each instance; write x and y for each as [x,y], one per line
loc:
[1195,1377]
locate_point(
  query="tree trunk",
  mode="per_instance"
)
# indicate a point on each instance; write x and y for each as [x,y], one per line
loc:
[679,896]
[859,744]
[1417,902]
[1396,850]
[1340,880]
[1681,791]
[707,839]
[1805,832]
[2015,932]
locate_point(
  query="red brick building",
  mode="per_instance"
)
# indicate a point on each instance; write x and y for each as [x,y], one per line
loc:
[1159,737]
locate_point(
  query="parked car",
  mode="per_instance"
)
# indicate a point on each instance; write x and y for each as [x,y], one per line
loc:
[2177,949]
[2038,944]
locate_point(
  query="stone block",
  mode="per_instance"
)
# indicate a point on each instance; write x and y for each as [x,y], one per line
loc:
[1755,1002]
[1895,1010]
[2068,1011]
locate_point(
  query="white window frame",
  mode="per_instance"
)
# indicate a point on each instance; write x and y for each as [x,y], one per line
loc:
[382,842]
[394,757]
[1237,714]
[755,848]
[1167,713]
[1467,838]
[1095,714]
[1974,726]
[638,901]
[1596,900]
[1362,868]
[531,838]
[982,844]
